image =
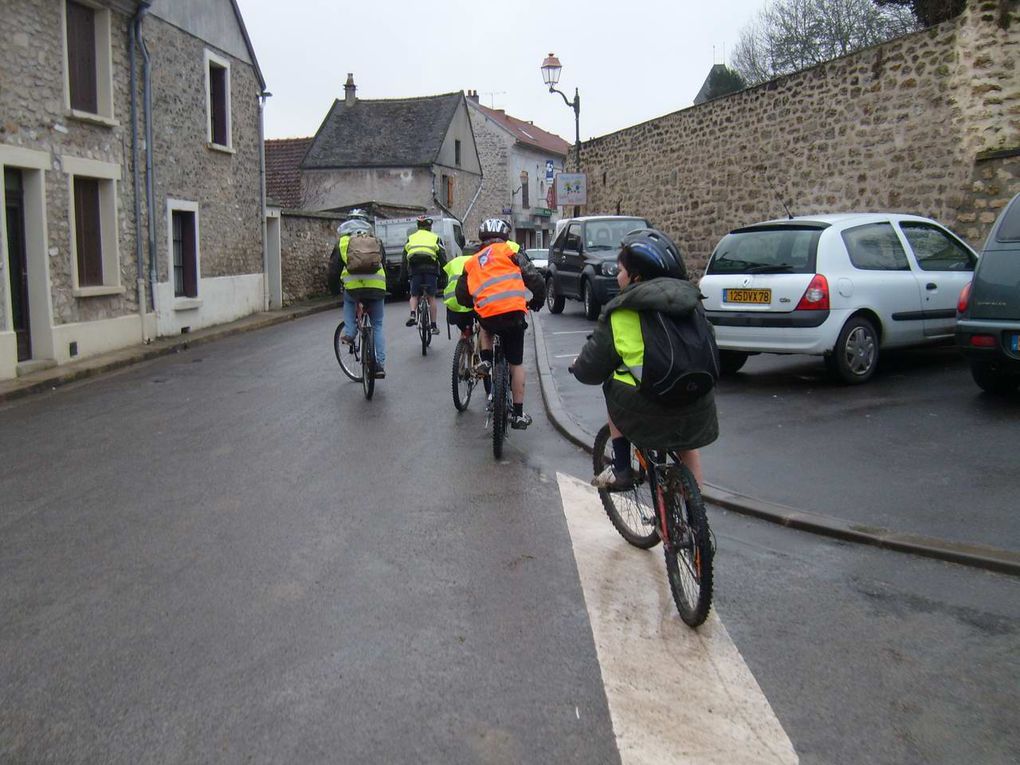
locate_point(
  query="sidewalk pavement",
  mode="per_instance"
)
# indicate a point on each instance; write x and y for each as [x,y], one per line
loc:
[48,379]
[979,556]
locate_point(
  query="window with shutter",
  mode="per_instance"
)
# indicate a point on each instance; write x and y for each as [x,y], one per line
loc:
[88,232]
[81,57]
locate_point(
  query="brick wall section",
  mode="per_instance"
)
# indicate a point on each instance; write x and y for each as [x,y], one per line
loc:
[306,240]
[226,186]
[895,127]
[32,116]
[494,147]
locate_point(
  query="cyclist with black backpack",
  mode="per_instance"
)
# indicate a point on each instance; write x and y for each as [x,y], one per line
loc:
[654,353]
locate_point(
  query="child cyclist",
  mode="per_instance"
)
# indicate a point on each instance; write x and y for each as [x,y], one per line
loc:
[652,277]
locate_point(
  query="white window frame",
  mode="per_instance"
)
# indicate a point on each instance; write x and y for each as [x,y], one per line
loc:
[104,67]
[208,58]
[183,205]
[108,174]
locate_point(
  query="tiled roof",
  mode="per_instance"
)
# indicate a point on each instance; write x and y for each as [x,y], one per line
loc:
[526,132]
[400,132]
[283,170]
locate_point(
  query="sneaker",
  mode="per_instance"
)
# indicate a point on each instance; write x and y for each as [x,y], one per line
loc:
[347,340]
[610,480]
[435,329]
[380,373]
[482,368]
[411,321]
[520,421]
[488,404]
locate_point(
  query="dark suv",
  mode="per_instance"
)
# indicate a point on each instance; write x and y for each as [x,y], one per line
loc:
[988,314]
[582,261]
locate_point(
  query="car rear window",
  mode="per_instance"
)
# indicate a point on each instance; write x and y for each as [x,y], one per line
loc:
[1009,230]
[776,250]
[607,234]
[875,247]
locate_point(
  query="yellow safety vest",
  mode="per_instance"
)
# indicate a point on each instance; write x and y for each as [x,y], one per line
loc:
[453,270]
[422,242]
[376,281]
[629,343]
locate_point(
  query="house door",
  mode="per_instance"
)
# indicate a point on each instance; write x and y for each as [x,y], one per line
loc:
[17,261]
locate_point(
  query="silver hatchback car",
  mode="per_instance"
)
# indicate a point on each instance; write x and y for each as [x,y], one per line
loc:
[841,286]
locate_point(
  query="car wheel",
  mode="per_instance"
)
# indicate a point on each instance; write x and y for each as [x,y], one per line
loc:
[553,299]
[591,305]
[730,362]
[855,357]
[992,380]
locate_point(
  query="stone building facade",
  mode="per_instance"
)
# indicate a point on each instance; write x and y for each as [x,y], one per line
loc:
[76,241]
[928,123]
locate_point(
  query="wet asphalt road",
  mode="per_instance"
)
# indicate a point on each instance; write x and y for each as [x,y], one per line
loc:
[918,449]
[228,555]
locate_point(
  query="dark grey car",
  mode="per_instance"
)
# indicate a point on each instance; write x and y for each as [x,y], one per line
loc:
[988,314]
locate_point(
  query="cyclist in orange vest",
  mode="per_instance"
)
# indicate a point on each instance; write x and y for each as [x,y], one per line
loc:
[496,278]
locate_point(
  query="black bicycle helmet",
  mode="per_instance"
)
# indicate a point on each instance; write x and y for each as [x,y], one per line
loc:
[649,253]
[494,228]
[424,222]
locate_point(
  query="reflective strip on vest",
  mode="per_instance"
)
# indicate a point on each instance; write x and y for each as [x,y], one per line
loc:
[376,281]
[423,243]
[629,344]
[500,296]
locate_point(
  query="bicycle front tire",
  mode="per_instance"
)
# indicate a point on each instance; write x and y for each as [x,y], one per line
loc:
[689,554]
[424,331]
[631,512]
[347,356]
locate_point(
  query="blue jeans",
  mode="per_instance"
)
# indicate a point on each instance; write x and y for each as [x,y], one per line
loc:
[375,313]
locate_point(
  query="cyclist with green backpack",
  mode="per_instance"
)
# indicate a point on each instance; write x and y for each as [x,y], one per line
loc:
[654,353]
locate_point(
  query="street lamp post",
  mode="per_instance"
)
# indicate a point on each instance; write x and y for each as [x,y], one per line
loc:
[551,68]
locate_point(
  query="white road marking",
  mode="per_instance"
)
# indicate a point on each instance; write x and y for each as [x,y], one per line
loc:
[565,356]
[675,694]
[573,332]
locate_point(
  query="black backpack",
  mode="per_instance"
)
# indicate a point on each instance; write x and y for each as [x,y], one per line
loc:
[681,361]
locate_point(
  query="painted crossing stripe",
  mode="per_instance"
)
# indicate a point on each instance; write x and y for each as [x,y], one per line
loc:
[675,694]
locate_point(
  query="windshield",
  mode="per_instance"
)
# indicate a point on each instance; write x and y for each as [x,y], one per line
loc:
[766,251]
[607,234]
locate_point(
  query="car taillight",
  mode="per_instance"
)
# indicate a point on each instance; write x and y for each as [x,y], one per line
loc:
[983,341]
[961,304]
[816,296]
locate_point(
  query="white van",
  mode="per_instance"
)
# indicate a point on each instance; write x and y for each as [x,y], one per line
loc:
[393,233]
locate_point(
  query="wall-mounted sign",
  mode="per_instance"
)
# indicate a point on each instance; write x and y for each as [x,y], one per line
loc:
[571,189]
[550,170]
[507,210]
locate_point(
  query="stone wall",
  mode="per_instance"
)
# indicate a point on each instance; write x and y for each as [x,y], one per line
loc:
[225,185]
[895,127]
[306,241]
[494,146]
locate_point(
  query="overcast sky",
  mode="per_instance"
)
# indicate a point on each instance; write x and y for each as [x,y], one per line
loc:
[631,61]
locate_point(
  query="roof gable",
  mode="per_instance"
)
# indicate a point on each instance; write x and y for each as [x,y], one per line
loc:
[400,132]
[525,132]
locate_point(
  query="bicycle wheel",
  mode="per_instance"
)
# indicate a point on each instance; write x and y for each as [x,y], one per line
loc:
[348,356]
[463,376]
[689,554]
[424,332]
[368,361]
[631,512]
[500,415]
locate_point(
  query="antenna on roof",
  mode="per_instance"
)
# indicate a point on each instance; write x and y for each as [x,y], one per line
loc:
[491,93]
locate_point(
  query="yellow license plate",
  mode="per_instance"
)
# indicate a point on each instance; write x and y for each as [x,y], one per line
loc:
[759,297]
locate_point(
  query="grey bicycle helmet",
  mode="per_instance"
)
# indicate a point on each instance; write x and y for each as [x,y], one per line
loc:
[649,253]
[494,228]
[351,227]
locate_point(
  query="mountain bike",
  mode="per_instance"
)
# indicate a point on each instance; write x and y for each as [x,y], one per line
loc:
[424,321]
[467,355]
[502,398]
[357,360]
[664,504]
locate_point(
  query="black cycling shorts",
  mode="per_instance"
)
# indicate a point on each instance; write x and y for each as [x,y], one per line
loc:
[460,319]
[510,327]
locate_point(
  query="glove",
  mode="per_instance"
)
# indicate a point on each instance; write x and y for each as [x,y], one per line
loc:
[536,305]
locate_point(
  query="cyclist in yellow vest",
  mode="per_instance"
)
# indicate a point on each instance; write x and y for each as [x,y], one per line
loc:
[368,289]
[424,255]
[460,316]
[652,277]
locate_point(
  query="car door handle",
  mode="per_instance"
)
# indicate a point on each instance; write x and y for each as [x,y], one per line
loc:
[931,286]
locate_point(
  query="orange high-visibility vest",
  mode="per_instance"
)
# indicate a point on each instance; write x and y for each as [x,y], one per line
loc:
[495,282]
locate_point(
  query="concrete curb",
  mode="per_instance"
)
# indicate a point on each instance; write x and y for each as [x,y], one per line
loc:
[49,379]
[977,556]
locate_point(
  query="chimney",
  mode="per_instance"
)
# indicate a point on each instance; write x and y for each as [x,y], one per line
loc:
[473,95]
[349,89]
